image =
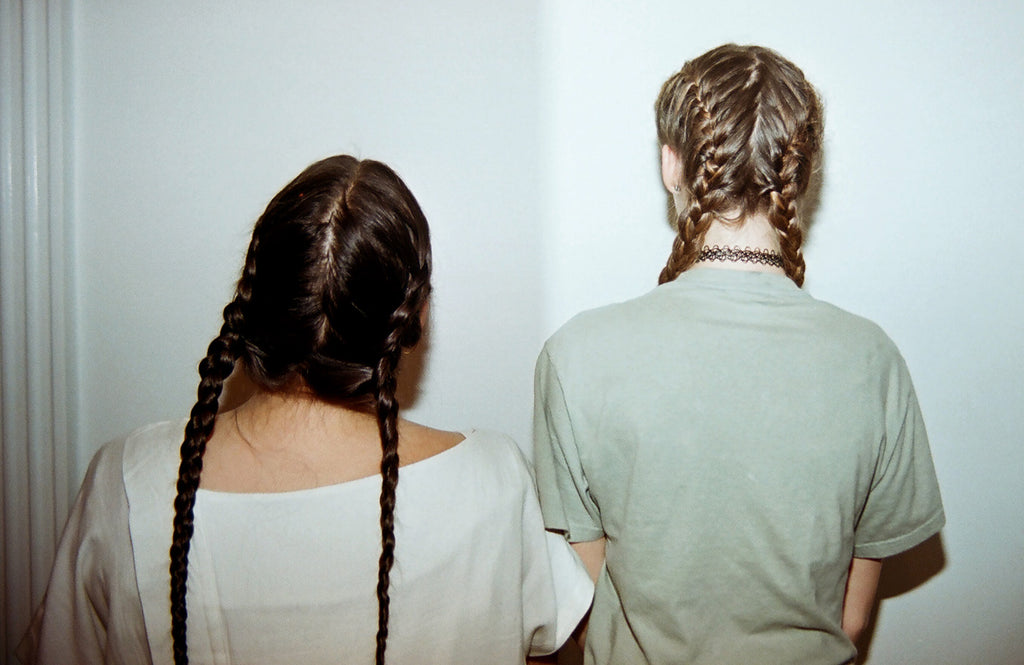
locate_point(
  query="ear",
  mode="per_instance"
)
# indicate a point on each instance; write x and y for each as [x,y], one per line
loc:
[425,315]
[671,169]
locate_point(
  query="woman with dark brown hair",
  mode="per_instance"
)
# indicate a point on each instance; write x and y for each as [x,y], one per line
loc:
[311,524]
[731,457]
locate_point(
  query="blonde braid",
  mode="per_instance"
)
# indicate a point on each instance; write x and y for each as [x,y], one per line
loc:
[692,225]
[782,213]
[746,125]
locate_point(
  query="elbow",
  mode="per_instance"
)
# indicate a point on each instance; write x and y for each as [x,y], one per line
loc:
[857,625]
[854,628]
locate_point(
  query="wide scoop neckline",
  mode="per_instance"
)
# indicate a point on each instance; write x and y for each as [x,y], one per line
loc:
[222,495]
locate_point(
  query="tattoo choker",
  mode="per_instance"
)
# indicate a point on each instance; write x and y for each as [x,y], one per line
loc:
[737,255]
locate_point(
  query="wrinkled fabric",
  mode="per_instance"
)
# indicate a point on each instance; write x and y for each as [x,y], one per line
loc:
[737,442]
[291,577]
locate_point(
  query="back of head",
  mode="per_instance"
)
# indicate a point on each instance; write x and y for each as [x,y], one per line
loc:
[335,278]
[747,127]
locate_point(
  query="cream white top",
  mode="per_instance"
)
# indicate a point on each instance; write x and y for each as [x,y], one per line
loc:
[291,577]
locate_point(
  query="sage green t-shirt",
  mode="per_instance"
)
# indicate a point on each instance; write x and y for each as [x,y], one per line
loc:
[737,442]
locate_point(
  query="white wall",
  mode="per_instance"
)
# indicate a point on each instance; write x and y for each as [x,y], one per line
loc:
[526,131]
[918,228]
[190,116]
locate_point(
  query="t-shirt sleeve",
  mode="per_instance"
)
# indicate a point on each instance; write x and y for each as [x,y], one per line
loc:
[557,590]
[903,507]
[567,503]
[80,619]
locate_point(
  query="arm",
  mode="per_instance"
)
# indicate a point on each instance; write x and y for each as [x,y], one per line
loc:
[73,621]
[568,507]
[591,552]
[860,595]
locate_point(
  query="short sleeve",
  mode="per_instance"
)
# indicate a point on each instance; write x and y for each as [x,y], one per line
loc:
[84,616]
[557,590]
[903,506]
[565,496]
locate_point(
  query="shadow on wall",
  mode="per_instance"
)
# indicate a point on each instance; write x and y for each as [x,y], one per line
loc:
[900,574]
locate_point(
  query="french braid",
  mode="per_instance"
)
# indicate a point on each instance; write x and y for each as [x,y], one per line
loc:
[746,126]
[694,223]
[336,275]
[783,215]
[405,330]
[214,370]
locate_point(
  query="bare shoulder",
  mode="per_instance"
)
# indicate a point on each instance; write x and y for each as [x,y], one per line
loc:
[417,442]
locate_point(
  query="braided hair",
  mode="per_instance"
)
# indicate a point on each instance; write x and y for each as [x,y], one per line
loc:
[335,277]
[747,127]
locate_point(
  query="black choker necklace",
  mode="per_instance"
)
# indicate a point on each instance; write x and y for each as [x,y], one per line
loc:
[735,254]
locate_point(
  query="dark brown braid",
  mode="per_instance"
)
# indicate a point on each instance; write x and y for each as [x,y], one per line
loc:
[335,278]
[405,325]
[746,126]
[387,423]
[214,369]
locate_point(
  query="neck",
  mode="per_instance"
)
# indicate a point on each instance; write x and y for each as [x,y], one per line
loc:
[272,419]
[752,232]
